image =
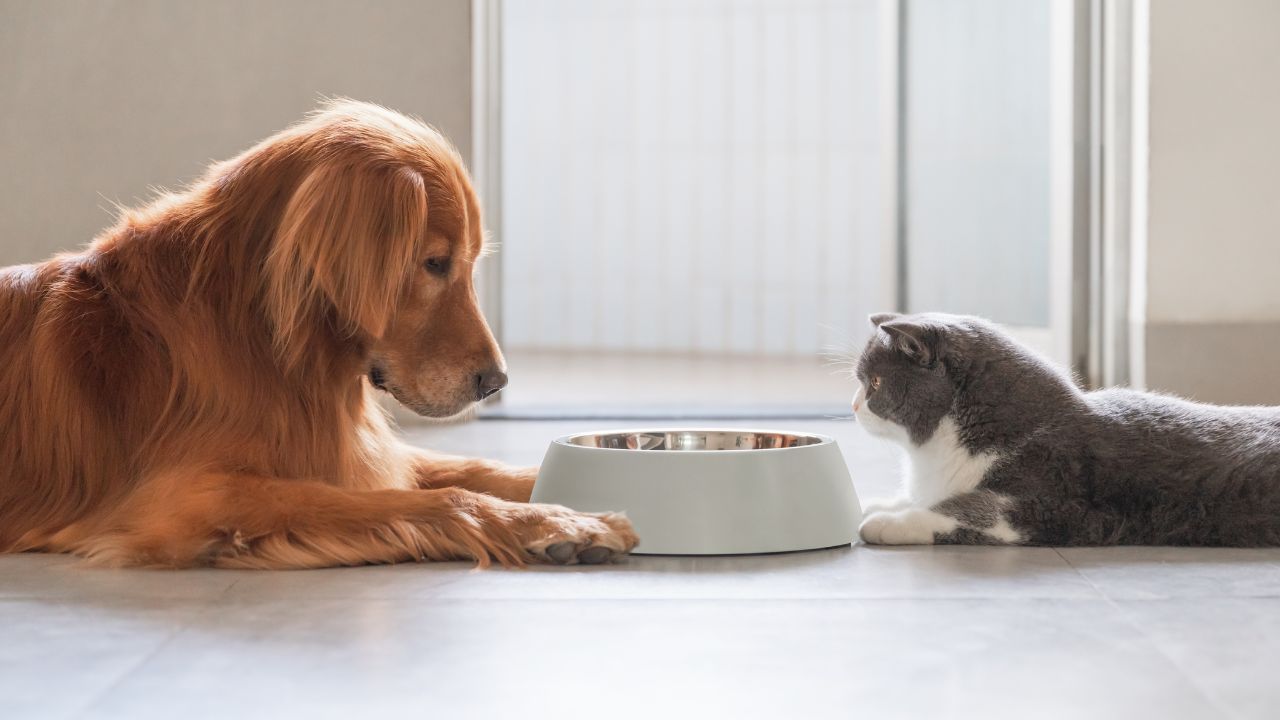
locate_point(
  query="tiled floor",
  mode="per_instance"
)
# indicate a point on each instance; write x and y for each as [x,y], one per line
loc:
[853,632]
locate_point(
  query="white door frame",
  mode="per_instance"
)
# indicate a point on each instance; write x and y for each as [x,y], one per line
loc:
[486,143]
[1108,267]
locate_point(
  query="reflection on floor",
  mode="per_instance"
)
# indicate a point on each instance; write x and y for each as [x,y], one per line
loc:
[867,632]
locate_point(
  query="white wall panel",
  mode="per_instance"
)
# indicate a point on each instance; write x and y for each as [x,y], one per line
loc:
[692,176]
[978,158]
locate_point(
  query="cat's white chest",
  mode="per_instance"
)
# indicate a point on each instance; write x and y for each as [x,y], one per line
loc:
[942,467]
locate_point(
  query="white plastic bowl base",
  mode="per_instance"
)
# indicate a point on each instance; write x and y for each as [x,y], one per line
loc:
[708,492]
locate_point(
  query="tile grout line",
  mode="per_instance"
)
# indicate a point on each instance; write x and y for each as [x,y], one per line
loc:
[142,662]
[1058,551]
[1125,617]
[227,590]
[183,627]
[1191,679]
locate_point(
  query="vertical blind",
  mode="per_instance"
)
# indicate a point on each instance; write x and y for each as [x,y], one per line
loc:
[693,176]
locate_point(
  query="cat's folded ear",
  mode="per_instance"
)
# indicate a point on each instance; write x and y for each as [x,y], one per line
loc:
[920,341]
[878,319]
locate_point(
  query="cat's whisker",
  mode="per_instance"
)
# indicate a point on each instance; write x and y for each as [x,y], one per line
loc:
[838,332]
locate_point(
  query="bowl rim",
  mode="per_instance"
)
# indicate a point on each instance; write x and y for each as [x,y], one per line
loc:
[823,440]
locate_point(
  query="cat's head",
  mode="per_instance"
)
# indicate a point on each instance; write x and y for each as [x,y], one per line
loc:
[914,366]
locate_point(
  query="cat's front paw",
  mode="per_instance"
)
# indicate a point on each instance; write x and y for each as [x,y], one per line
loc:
[886,504]
[913,526]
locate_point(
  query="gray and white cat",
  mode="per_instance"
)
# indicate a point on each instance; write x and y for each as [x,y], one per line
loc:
[1003,448]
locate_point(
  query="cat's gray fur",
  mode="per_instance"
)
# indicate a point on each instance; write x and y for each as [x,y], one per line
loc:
[1110,467]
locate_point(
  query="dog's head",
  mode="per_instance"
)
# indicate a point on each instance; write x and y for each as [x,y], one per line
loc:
[378,241]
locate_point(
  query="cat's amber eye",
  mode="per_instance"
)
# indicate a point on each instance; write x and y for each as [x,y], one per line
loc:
[875,383]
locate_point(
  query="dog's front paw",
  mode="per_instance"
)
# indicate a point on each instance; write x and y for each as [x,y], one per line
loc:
[566,537]
[912,526]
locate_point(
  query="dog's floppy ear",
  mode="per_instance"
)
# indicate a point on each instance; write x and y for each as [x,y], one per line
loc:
[345,245]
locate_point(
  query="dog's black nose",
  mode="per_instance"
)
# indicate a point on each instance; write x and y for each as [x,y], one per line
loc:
[489,382]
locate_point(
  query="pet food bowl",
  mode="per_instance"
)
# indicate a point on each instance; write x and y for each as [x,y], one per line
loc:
[708,492]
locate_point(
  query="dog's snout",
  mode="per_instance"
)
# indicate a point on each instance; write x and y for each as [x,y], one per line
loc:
[489,382]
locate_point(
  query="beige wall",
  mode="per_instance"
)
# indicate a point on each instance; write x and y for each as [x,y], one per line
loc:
[1213,273]
[102,100]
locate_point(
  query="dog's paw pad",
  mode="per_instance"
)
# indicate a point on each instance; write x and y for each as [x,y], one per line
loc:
[562,553]
[595,555]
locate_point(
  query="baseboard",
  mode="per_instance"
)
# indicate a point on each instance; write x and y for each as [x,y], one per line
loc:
[1227,363]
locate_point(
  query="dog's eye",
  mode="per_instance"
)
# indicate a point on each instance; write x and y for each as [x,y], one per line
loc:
[437,266]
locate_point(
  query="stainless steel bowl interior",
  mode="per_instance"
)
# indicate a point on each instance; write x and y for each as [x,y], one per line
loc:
[693,440]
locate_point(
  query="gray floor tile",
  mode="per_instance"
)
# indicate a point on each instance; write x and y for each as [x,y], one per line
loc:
[406,580]
[57,656]
[1161,572]
[850,572]
[741,659]
[1228,648]
[64,576]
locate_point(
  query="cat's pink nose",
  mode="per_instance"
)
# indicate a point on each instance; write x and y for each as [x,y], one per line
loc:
[855,406]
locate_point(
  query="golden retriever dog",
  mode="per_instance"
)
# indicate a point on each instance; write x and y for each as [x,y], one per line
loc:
[197,386]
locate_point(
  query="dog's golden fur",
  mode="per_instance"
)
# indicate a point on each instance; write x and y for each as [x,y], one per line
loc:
[193,388]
